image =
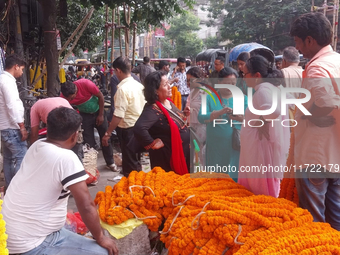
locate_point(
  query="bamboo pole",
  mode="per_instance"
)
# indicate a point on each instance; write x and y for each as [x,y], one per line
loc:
[75,31]
[119,35]
[106,32]
[127,16]
[91,64]
[335,22]
[134,44]
[333,25]
[77,39]
[113,35]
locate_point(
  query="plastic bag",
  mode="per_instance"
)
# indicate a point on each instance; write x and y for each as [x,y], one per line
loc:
[75,223]
[92,179]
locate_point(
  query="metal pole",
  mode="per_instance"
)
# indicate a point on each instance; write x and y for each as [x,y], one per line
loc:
[159,49]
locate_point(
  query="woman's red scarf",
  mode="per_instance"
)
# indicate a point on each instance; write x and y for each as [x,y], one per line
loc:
[178,163]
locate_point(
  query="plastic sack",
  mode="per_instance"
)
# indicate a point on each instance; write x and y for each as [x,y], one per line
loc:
[90,164]
[92,178]
[75,223]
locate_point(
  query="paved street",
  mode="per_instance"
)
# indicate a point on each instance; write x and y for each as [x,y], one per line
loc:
[103,181]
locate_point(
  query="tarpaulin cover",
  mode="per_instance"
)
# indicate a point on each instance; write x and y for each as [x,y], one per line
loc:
[253,49]
[208,54]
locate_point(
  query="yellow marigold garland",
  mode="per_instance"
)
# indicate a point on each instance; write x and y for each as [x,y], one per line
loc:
[176,97]
[214,216]
[3,235]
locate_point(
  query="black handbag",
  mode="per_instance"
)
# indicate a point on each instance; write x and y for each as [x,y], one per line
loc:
[236,142]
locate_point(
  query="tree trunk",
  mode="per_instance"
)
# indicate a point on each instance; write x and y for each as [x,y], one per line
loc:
[50,44]
[19,47]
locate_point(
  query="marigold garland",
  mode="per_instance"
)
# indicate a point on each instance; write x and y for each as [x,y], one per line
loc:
[214,216]
[3,235]
[176,97]
[288,188]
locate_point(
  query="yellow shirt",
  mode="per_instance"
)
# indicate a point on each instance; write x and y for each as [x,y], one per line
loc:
[313,144]
[129,102]
[62,76]
[32,71]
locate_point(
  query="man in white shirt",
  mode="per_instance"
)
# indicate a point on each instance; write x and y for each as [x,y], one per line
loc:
[291,70]
[129,103]
[180,73]
[165,66]
[35,205]
[13,131]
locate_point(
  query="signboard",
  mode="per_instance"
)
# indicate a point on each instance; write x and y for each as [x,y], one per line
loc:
[159,33]
[58,40]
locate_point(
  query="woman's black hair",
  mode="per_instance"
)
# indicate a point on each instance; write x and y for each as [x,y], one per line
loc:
[226,71]
[152,83]
[243,56]
[195,72]
[259,64]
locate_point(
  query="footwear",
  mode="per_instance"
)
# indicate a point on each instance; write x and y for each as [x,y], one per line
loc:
[113,167]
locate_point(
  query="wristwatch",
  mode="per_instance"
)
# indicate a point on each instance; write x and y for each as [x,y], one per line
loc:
[107,134]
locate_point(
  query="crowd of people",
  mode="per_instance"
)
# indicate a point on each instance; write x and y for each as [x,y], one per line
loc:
[145,118]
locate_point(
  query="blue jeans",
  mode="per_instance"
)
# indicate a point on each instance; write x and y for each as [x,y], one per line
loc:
[320,196]
[13,150]
[184,101]
[66,242]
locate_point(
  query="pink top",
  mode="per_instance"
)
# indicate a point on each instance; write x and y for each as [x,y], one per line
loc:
[263,154]
[86,89]
[313,144]
[42,108]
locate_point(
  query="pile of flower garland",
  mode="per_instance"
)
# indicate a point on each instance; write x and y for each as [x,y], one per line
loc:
[176,97]
[3,235]
[288,188]
[214,216]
